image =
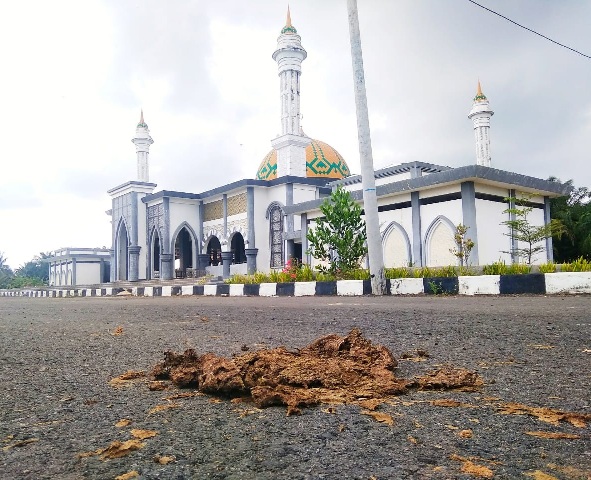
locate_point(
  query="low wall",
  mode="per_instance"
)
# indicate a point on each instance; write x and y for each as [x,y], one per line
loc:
[533,283]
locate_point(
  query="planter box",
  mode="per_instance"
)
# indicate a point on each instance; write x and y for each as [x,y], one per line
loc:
[479,285]
[568,282]
[441,285]
[304,289]
[350,287]
[526,283]
[406,286]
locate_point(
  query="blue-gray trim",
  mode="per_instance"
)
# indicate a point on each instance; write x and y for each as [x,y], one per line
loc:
[271,206]
[455,175]
[441,285]
[417,250]
[226,262]
[547,220]
[247,182]
[396,226]
[200,227]
[469,219]
[73,271]
[304,237]
[289,201]
[530,283]
[250,217]
[512,217]
[134,218]
[166,257]
[415,169]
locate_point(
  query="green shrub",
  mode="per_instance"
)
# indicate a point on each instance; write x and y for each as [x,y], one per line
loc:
[398,272]
[449,271]
[495,268]
[549,267]
[518,269]
[579,265]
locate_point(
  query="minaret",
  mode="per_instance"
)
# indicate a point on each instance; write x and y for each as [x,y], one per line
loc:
[291,144]
[142,142]
[480,116]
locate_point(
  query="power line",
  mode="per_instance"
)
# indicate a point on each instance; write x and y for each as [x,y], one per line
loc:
[529,29]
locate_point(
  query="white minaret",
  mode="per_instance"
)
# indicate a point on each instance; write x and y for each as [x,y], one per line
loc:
[291,144]
[480,116]
[142,142]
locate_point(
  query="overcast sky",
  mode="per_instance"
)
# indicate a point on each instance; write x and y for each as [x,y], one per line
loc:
[76,73]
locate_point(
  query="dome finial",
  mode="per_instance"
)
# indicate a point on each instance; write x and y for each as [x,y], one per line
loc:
[289,28]
[142,123]
[479,95]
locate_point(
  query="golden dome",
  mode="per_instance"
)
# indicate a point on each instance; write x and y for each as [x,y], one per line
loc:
[322,161]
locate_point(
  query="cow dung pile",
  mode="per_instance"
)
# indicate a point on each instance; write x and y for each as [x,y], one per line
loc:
[332,369]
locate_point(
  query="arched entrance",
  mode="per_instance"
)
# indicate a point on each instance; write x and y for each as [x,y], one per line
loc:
[155,257]
[237,248]
[122,252]
[214,251]
[183,253]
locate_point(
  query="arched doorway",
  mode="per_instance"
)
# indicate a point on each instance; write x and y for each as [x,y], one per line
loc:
[183,253]
[237,248]
[156,250]
[122,252]
[214,251]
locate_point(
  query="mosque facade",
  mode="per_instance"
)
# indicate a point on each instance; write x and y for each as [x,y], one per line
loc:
[258,224]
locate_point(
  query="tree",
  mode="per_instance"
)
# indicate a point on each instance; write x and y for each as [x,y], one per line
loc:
[463,246]
[6,274]
[339,237]
[521,230]
[35,268]
[574,211]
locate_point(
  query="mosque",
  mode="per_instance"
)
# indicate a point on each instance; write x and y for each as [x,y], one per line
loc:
[258,224]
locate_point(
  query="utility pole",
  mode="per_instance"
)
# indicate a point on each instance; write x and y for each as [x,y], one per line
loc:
[370,202]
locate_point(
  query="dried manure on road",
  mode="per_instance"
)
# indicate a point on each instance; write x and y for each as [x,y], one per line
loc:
[333,369]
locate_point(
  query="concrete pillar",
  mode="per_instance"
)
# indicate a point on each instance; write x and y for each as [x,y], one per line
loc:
[304,233]
[112,265]
[73,271]
[250,218]
[417,241]
[226,262]
[202,261]
[512,216]
[134,262]
[167,263]
[251,260]
[547,220]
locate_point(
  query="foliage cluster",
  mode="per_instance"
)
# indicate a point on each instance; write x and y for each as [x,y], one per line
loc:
[501,268]
[33,273]
[339,237]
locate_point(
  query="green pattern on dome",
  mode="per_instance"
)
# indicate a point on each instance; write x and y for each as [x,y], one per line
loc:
[322,161]
[288,29]
[268,168]
[142,125]
[322,166]
[479,97]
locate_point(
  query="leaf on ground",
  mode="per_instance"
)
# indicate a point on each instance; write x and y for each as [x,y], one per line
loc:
[128,475]
[123,423]
[161,408]
[157,386]
[118,331]
[554,435]
[164,460]
[329,410]
[539,475]
[21,443]
[379,416]
[415,355]
[412,439]
[452,427]
[541,347]
[143,434]
[371,403]
[125,378]
[449,377]
[548,415]
[342,427]
[570,472]
[119,449]
[471,468]
[466,433]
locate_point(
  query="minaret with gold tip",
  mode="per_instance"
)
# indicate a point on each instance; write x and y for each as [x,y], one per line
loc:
[480,116]
[142,142]
[291,144]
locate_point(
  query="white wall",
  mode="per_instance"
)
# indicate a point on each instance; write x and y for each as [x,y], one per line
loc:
[491,238]
[88,273]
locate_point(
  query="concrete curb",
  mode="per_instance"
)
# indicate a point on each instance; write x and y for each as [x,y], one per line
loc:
[533,283]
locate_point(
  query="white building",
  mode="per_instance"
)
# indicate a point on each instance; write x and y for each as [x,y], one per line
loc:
[257,224]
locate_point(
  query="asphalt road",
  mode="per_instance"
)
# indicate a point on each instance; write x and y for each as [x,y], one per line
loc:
[57,357]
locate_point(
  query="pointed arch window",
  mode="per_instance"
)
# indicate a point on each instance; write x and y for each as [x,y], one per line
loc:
[276,236]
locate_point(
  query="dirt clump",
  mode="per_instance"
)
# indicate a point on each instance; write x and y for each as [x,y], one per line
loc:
[449,377]
[332,369]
